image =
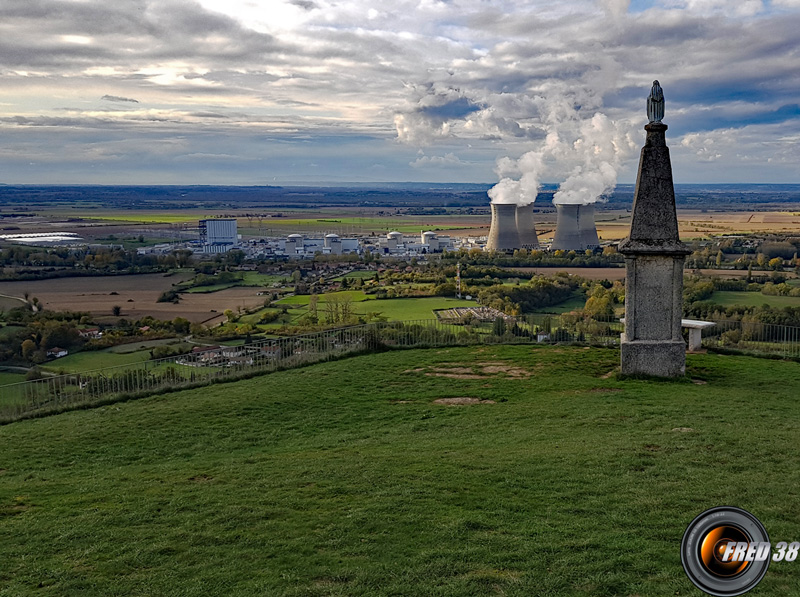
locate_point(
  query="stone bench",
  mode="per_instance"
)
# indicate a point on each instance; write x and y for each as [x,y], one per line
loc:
[695,327]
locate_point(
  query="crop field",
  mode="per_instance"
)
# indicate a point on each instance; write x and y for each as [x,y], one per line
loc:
[753,299]
[480,471]
[136,295]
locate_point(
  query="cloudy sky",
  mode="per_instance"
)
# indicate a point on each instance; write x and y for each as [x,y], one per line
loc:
[272,91]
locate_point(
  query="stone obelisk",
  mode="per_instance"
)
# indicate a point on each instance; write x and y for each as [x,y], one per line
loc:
[652,343]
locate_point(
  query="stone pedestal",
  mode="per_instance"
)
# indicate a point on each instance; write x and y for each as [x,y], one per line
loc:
[652,343]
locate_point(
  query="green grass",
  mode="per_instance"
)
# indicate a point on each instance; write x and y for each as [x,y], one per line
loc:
[144,217]
[9,377]
[345,479]
[145,345]
[256,279]
[578,301]
[95,359]
[753,299]
[303,299]
[405,309]
[210,288]
[400,309]
[363,275]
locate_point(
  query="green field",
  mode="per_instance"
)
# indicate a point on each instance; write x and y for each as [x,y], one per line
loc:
[753,299]
[303,299]
[9,377]
[400,309]
[210,288]
[407,224]
[144,217]
[361,274]
[346,479]
[576,302]
[95,359]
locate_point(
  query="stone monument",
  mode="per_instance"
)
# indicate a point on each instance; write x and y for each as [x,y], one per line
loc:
[652,343]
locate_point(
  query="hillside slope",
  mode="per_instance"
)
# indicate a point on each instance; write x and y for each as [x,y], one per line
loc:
[346,478]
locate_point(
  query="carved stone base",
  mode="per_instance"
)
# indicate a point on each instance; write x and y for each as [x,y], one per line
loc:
[659,358]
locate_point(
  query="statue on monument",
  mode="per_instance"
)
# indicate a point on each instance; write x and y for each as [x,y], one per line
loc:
[655,104]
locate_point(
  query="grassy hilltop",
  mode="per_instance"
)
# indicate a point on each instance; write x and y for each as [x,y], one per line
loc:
[347,478]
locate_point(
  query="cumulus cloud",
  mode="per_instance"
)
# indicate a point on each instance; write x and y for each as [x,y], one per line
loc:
[448,160]
[516,78]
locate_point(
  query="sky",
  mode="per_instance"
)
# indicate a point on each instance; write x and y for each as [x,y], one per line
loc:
[282,91]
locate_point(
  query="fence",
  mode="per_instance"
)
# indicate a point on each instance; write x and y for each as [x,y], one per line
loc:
[754,338]
[209,365]
[213,364]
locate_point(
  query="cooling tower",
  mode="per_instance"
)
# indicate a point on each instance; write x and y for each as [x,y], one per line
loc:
[587,227]
[568,227]
[526,228]
[503,232]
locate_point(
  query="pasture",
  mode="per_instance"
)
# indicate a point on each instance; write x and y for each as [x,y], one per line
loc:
[464,471]
[91,360]
[753,299]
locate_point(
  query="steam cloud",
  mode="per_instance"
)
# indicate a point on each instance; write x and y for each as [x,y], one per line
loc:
[596,147]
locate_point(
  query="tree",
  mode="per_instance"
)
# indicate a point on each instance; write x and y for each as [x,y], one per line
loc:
[776,263]
[312,304]
[499,326]
[28,348]
[116,310]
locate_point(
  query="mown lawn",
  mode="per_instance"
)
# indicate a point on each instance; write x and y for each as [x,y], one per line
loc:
[400,309]
[578,301]
[345,478]
[753,299]
[303,299]
[9,377]
[95,359]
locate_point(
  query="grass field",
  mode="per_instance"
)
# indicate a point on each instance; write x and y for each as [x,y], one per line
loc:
[401,309]
[576,302]
[346,479]
[303,299]
[95,359]
[753,299]
[8,377]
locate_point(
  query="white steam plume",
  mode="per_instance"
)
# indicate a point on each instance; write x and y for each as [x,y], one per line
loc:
[600,149]
[521,191]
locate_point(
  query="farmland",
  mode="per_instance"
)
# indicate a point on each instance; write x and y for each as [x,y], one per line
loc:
[753,299]
[358,478]
[136,295]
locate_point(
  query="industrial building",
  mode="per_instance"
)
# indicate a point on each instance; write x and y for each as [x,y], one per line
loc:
[297,245]
[218,235]
[429,242]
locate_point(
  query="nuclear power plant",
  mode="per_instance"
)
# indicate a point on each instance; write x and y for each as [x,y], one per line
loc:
[513,227]
[503,235]
[575,228]
[526,228]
